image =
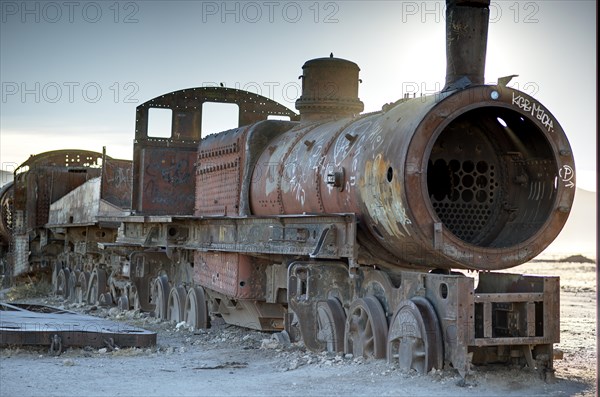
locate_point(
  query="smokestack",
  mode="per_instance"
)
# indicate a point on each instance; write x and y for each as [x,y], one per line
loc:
[466,42]
[329,89]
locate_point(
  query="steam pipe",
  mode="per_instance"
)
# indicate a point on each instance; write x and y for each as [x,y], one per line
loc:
[466,42]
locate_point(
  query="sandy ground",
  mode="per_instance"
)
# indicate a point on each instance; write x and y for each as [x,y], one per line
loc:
[230,361]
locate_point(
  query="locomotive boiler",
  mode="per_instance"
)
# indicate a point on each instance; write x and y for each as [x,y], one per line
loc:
[347,230]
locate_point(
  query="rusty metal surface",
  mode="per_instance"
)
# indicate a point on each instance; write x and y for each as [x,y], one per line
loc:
[314,236]
[81,206]
[415,340]
[444,320]
[224,163]
[466,42]
[277,168]
[511,204]
[478,176]
[234,275]
[46,177]
[188,106]
[219,173]
[516,309]
[251,314]
[366,329]
[452,297]
[23,324]
[117,182]
[310,283]
[164,179]
[301,163]
[6,213]
[471,179]
[329,89]
[164,168]
[40,181]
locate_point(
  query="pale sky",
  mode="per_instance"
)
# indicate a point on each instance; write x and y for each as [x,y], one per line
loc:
[72,73]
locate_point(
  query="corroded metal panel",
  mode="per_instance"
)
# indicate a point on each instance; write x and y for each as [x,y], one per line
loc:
[514,309]
[310,283]
[219,171]
[46,177]
[326,236]
[164,172]
[117,182]
[234,275]
[165,180]
[187,106]
[79,206]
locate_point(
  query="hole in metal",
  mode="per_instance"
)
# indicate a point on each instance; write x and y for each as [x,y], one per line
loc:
[390,174]
[468,187]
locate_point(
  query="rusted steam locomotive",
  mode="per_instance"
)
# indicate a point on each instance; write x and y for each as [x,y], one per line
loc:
[348,230]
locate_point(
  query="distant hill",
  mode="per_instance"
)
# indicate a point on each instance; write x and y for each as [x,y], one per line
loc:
[579,234]
[5,177]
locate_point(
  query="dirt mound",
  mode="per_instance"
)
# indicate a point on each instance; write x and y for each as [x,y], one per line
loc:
[577,259]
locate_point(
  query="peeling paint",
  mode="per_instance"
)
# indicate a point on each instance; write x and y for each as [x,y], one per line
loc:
[383,200]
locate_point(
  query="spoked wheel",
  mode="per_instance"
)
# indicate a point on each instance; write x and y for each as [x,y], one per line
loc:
[134,298]
[81,288]
[96,286]
[414,339]
[195,311]
[175,305]
[56,268]
[331,322]
[62,283]
[126,299]
[73,282]
[123,302]
[160,295]
[366,329]
[105,299]
[143,294]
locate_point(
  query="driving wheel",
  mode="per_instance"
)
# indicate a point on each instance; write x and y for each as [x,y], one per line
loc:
[366,329]
[331,322]
[196,310]
[415,338]
[175,305]
[159,296]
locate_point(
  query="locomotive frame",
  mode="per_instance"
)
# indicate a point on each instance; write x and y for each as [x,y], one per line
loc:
[199,228]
